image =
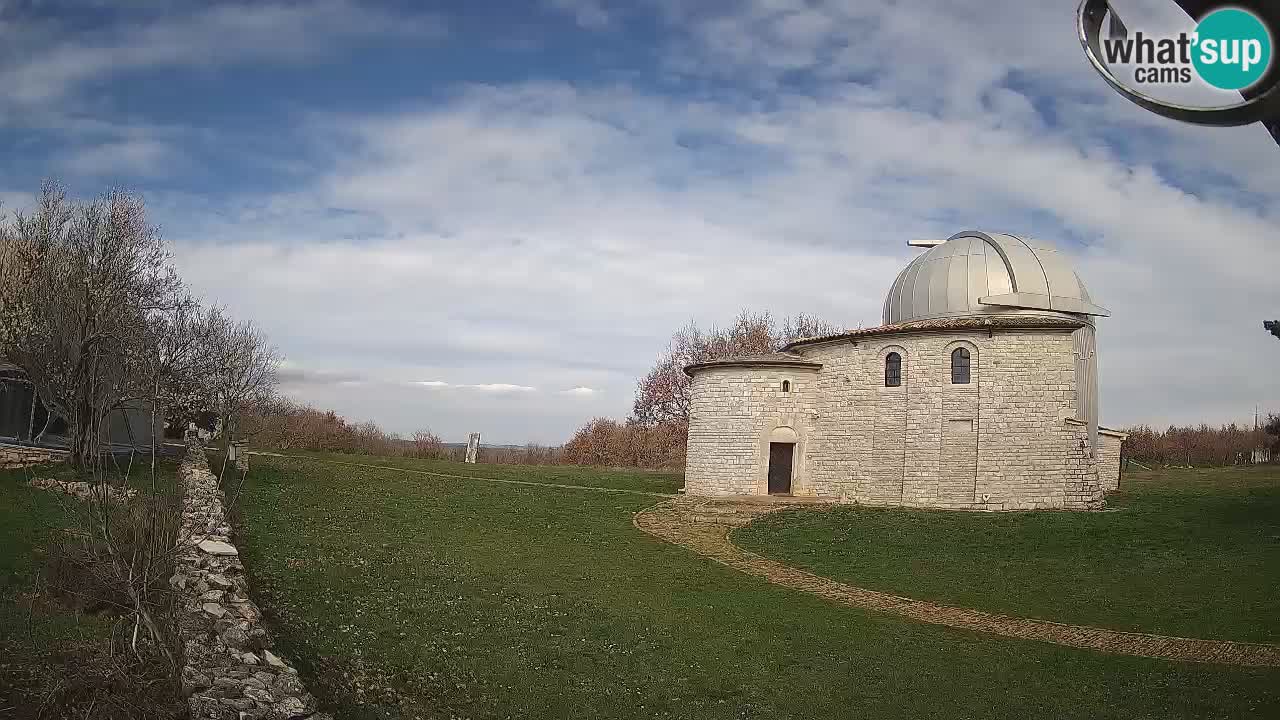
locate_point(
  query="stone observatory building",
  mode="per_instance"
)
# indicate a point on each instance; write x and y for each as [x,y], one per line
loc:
[979,392]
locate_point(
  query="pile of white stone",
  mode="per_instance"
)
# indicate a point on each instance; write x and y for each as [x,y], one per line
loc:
[83,490]
[229,670]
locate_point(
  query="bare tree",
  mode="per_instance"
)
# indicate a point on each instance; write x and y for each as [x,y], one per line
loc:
[174,360]
[241,372]
[90,274]
[15,269]
[662,395]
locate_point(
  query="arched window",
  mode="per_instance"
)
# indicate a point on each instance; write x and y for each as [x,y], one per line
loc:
[892,370]
[960,366]
[786,386]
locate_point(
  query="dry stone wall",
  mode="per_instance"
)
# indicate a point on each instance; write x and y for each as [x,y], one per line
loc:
[84,490]
[230,671]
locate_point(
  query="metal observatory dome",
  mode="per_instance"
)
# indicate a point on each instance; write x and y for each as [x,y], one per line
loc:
[973,274]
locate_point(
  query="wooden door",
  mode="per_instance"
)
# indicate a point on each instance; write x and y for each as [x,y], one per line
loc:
[780,456]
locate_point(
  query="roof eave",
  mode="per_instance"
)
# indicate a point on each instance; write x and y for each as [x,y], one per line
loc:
[746,363]
[924,327]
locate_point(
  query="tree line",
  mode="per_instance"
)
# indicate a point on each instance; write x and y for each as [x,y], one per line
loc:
[285,424]
[1202,445]
[95,314]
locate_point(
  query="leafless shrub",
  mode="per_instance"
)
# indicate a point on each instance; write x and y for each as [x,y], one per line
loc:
[119,555]
[427,445]
[603,442]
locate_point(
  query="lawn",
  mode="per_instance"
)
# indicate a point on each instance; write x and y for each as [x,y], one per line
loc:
[55,658]
[625,478]
[1194,553]
[410,595]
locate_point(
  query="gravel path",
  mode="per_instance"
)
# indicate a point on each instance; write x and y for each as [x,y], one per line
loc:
[703,527]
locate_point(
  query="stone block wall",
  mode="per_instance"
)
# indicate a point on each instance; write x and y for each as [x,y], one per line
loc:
[14,456]
[1110,444]
[999,442]
[733,413]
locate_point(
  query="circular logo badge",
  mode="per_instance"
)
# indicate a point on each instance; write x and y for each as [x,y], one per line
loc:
[1233,49]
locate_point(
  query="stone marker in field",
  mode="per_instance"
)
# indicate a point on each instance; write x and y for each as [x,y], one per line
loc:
[473,445]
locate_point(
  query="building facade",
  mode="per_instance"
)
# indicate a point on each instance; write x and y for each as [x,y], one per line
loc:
[978,392]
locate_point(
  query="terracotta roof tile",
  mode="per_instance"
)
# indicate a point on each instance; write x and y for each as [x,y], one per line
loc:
[957,323]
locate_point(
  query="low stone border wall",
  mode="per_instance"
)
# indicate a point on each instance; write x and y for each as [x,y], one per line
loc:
[83,490]
[17,456]
[230,672]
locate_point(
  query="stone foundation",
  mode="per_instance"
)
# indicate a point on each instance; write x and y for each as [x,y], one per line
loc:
[229,672]
[15,456]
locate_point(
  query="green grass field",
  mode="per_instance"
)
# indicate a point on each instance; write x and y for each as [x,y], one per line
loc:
[410,595]
[51,651]
[1194,553]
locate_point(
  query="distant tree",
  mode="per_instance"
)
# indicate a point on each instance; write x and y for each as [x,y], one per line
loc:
[15,270]
[1200,445]
[662,395]
[428,445]
[1272,326]
[592,443]
[241,372]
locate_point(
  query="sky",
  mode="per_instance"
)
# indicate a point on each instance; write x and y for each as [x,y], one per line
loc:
[482,216]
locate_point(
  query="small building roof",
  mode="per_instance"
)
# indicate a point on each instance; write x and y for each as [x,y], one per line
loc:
[777,360]
[944,324]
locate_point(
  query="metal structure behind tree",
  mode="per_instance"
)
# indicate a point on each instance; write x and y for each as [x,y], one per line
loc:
[1261,102]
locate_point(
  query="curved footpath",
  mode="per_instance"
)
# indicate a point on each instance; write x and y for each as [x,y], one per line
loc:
[703,526]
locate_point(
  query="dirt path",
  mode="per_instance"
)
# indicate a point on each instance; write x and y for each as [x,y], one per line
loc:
[693,524]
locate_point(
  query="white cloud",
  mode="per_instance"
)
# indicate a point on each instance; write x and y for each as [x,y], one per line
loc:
[132,157]
[482,387]
[56,61]
[502,387]
[552,236]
